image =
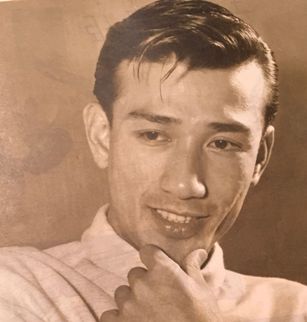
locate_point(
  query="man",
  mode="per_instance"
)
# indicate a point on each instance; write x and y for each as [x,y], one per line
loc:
[187,93]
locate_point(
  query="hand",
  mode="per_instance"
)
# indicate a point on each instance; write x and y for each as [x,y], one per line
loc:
[164,292]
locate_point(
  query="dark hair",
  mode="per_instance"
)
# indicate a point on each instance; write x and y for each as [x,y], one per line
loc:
[200,33]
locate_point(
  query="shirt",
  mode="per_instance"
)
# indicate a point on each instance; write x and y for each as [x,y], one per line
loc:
[76,282]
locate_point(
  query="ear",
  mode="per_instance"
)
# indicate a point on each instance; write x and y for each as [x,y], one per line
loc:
[97,129]
[264,153]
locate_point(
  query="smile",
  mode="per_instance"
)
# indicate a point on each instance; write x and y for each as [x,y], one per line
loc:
[177,225]
[171,217]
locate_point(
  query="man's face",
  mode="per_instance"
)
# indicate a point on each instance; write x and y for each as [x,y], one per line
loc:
[183,153]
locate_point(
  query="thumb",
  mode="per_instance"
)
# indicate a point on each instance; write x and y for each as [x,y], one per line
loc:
[193,262]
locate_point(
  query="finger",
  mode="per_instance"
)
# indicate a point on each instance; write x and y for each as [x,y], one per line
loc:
[136,274]
[152,255]
[109,316]
[122,295]
[193,262]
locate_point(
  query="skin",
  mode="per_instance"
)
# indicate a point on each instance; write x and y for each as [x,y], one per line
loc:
[191,145]
[179,296]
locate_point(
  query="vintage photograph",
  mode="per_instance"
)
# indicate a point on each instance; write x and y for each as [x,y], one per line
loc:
[153,161]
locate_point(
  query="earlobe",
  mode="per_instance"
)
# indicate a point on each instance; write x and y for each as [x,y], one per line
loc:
[264,153]
[97,130]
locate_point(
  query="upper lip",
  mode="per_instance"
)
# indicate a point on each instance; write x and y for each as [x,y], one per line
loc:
[184,213]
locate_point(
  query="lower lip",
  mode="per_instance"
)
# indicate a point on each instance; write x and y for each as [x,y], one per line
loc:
[177,230]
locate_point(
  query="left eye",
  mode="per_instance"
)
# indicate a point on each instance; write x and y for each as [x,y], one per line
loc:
[224,145]
[154,137]
[151,136]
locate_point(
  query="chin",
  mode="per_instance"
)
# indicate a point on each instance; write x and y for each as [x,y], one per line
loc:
[178,250]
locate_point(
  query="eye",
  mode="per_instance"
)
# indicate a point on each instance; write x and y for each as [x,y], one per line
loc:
[151,136]
[224,145]
[154,137]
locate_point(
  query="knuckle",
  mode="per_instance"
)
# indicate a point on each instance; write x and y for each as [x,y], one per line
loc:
[121,295]
[121,291]
[135,274]
[108,316]
[133,271]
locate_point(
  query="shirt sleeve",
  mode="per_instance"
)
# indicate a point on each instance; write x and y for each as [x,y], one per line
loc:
[35,287]
[21,298]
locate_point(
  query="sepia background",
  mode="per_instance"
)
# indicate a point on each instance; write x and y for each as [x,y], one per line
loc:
[50,188]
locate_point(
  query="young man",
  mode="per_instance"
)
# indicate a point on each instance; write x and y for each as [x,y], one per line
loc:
[186,95]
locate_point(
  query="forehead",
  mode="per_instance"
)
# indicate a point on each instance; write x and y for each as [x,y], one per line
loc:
[205,90]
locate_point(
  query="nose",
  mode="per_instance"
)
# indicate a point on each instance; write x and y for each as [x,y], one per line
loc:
[182,176]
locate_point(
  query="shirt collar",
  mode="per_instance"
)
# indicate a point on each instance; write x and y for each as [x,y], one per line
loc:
[110,252]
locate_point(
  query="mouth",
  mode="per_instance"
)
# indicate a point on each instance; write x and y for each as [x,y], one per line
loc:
[175,217]
[177,225]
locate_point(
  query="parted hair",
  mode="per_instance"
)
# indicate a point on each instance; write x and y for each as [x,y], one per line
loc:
[199,33]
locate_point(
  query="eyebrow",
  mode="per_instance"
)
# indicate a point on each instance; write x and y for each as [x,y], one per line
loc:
[235,127]
[154,118]
[230,127]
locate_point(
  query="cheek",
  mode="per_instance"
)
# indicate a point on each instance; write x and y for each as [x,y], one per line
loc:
[134,167]
[229,187]
[229,178]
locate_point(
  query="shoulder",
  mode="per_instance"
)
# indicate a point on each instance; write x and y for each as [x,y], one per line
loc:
[280,286]
[276,294]
[45,285]
[17,260]
[22,260]
[34,267]
[19,284]
[22,269]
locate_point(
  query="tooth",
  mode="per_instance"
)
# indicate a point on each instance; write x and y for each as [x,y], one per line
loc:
[173,217]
